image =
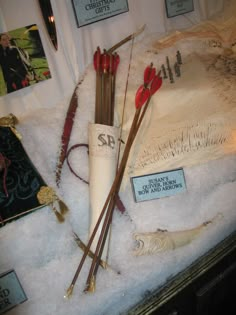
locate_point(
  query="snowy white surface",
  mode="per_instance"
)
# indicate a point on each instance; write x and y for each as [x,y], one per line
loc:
[44,253]
[45,256]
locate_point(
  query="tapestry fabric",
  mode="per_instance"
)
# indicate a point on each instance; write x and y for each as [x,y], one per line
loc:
[19,180]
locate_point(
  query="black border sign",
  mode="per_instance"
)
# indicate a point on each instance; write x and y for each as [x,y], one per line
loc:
[91,11]
[178,7]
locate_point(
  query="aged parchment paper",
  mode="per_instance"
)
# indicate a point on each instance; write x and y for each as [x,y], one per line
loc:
[192,120]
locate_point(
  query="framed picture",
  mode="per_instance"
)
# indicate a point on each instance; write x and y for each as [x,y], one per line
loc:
[91,11]
[178,7]
[22,59]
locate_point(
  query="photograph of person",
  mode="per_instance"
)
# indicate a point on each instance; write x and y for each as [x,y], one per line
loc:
[22,59]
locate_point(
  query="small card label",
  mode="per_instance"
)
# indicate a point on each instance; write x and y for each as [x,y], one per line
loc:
[158,185]
[178,7]
[11,291]
[90,11]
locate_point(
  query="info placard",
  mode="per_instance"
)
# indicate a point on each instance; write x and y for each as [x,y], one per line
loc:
[158,185]
[11,291]
[178,7]
[90,11]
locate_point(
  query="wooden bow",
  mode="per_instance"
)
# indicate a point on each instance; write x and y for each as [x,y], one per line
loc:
[71,111]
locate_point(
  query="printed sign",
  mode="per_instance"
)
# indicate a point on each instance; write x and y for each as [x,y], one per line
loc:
[11,291]
[158,185]
[177,7]
[90,11]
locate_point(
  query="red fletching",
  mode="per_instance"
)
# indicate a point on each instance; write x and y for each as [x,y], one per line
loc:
[105,61]
[141,96]
[149,74]
[97,59]
[156,84]
[115,62]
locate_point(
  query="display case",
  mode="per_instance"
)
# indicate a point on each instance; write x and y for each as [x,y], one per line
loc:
[205,287]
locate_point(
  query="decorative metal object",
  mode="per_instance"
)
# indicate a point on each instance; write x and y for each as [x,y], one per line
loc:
[47,196]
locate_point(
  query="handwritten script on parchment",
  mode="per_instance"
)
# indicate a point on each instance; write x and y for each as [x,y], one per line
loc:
[192,120]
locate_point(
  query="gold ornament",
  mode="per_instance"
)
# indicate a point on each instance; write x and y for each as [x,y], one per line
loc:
[47,196]
[10,121]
